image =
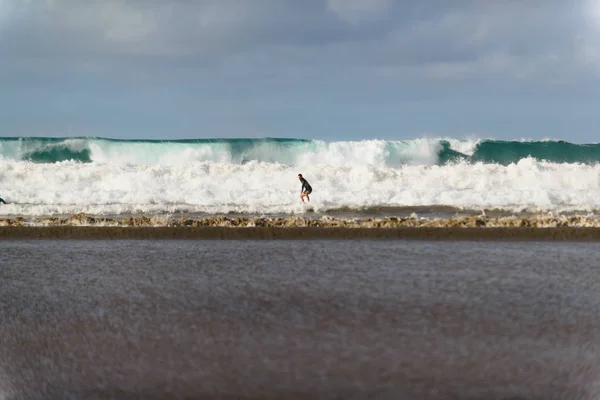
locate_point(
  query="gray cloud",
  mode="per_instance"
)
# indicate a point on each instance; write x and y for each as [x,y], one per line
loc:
[551,40]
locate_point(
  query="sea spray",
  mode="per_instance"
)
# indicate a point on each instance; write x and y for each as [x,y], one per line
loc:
[259,187]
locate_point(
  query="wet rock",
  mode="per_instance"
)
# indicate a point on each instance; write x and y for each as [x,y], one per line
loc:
[481,221]
[79,219]
[261,222]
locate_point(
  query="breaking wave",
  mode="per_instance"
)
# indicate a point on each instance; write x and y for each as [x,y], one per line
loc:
[47,176]
[295,152]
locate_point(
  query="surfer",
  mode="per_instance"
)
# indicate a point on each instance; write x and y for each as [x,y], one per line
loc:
[306,188]
[2,201]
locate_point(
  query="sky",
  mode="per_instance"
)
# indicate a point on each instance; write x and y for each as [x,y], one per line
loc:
[316,69]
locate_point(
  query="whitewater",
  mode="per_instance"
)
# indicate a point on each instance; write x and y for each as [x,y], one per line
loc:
[60,176]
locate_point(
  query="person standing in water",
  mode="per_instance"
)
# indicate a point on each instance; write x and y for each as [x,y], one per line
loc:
[306,188]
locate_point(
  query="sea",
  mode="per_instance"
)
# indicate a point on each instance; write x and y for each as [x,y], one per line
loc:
[441,176]
[362,319]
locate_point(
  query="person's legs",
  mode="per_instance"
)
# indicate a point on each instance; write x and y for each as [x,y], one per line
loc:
[305,194]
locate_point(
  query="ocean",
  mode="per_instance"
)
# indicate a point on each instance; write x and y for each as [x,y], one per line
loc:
[98,176]
[376,319]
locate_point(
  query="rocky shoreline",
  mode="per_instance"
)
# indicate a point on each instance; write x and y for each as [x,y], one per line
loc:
[534,221]
[85,227]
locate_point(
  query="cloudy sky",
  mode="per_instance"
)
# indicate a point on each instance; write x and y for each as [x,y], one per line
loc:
[327,69]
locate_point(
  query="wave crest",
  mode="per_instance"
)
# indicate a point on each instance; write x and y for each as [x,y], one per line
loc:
[296,152]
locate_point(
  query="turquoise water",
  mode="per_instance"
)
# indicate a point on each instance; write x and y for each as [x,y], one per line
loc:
[289,151]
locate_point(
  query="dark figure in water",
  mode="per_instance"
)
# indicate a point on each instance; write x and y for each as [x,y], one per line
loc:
[306,188]
[2,201]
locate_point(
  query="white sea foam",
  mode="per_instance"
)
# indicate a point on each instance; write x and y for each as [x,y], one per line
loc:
[259,187]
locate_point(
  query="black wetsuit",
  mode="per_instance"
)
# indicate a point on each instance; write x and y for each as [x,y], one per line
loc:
[305,186]
[2,201]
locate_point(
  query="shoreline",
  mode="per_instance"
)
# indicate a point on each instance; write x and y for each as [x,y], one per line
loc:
[81,226]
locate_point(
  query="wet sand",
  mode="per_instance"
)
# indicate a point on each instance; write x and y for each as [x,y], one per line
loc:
[299,320]
[310,233]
